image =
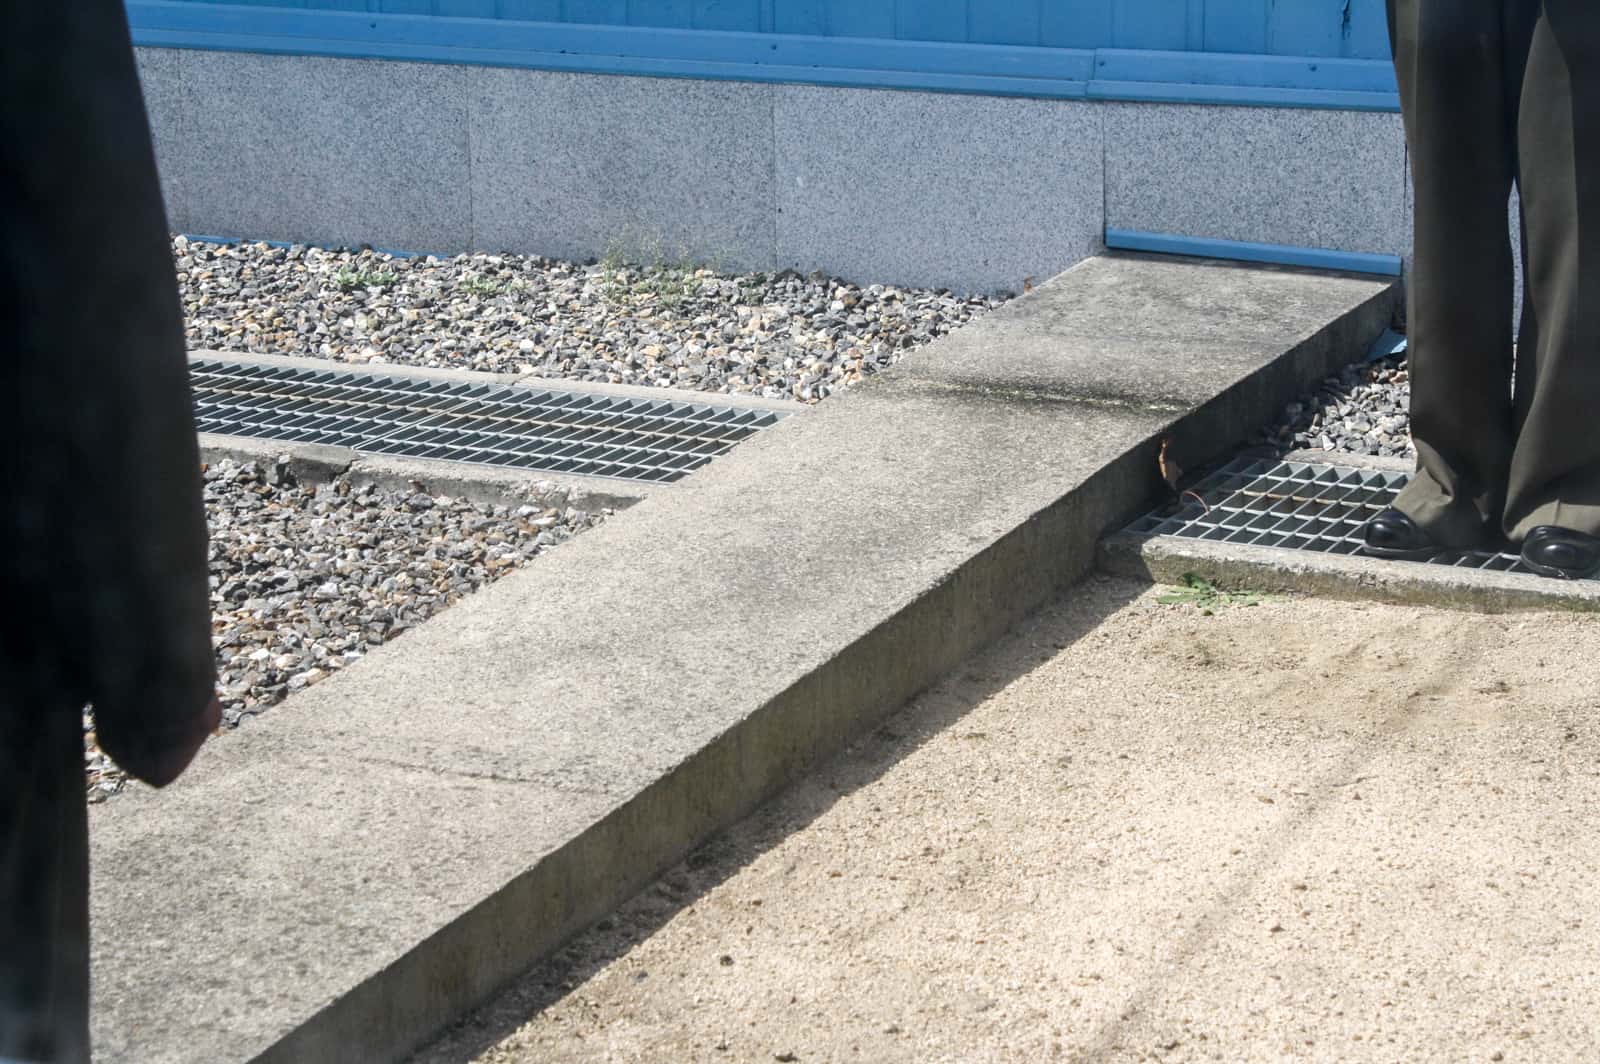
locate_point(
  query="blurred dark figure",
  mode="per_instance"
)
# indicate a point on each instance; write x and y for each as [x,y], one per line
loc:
[103,593]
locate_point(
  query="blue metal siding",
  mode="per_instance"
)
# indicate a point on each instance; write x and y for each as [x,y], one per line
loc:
[1235,26]
[1351,29]
[1076,23]
[854,18]
[1150,25]
[809,17]
[1017,22]
[931,20]
[1038,48]
[732,15]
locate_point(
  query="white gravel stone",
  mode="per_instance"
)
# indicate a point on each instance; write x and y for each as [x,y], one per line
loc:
[782,335]
[304,579]
[1365,409]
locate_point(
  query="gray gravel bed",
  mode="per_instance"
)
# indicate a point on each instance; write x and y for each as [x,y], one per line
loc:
[305,580]
[778,335]
[1364,409]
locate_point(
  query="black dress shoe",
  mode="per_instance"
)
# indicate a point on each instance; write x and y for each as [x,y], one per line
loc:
[1391,534]
[1555,551]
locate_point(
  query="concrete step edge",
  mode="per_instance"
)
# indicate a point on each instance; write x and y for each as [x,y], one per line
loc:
[1172,559]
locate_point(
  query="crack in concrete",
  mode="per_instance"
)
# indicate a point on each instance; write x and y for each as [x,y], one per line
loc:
[1049,397]
[547,780]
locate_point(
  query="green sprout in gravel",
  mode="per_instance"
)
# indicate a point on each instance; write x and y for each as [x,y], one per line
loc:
[668,281]
[1207,597]
[487,287]
[349,280]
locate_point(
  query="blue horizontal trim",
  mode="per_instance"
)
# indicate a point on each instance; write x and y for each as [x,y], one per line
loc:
[287,27]
[1244,251]
[1244,96]
[1262,80]
[1349,28]
[1001,70]
[673,68]
[1255,71]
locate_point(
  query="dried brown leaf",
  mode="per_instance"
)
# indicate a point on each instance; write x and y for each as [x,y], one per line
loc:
[1171,471]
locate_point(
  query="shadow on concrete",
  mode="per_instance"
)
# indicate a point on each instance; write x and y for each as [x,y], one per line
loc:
[1028,644]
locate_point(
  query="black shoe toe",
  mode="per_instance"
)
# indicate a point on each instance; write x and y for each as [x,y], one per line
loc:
[1563,552]
[1391,534]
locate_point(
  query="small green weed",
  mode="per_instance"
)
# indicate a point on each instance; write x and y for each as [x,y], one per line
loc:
[487,287]
[349,280]
[667,281]
[1207,597]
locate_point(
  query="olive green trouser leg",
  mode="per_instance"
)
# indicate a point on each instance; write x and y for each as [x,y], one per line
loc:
[1555,468]
[1459,64]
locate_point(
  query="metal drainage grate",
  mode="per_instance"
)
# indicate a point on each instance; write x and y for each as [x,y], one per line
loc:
[543,429]
[1296,506]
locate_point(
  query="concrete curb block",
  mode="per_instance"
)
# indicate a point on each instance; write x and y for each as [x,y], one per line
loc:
[315,463]
[1169,559]
[654,680]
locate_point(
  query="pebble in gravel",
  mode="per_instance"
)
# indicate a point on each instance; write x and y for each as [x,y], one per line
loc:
[778,335]
[1364,409]
[306,579]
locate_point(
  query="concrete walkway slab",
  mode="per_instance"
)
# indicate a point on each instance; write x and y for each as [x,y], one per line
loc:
[340,879]
[1303,831]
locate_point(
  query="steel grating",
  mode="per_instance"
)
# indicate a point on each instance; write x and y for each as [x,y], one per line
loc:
[1266,502]
[536,428]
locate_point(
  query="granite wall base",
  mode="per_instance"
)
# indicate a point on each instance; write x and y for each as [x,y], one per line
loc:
[973,193]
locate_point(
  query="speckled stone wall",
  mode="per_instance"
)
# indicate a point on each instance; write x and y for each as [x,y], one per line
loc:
[969,192]
[1307,178]
[975,193]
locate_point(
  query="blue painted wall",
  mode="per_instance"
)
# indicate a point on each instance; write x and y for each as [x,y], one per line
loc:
[1351,29]
[1319,53]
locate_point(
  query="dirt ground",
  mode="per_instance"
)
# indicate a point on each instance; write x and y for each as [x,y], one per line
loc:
[1301,830]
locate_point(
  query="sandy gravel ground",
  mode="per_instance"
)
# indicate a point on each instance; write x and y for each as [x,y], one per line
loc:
[1133,831]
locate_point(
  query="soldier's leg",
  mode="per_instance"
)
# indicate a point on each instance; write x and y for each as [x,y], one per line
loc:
[1555,469]
[44,882]
[1459,66]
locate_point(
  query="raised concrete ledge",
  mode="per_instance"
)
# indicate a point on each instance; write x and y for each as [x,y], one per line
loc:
[1169,559]
[316,463]
[341,878]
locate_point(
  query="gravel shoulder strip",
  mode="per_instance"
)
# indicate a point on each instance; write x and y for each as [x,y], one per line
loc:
[1363,410]
[307,577]
[662,324]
